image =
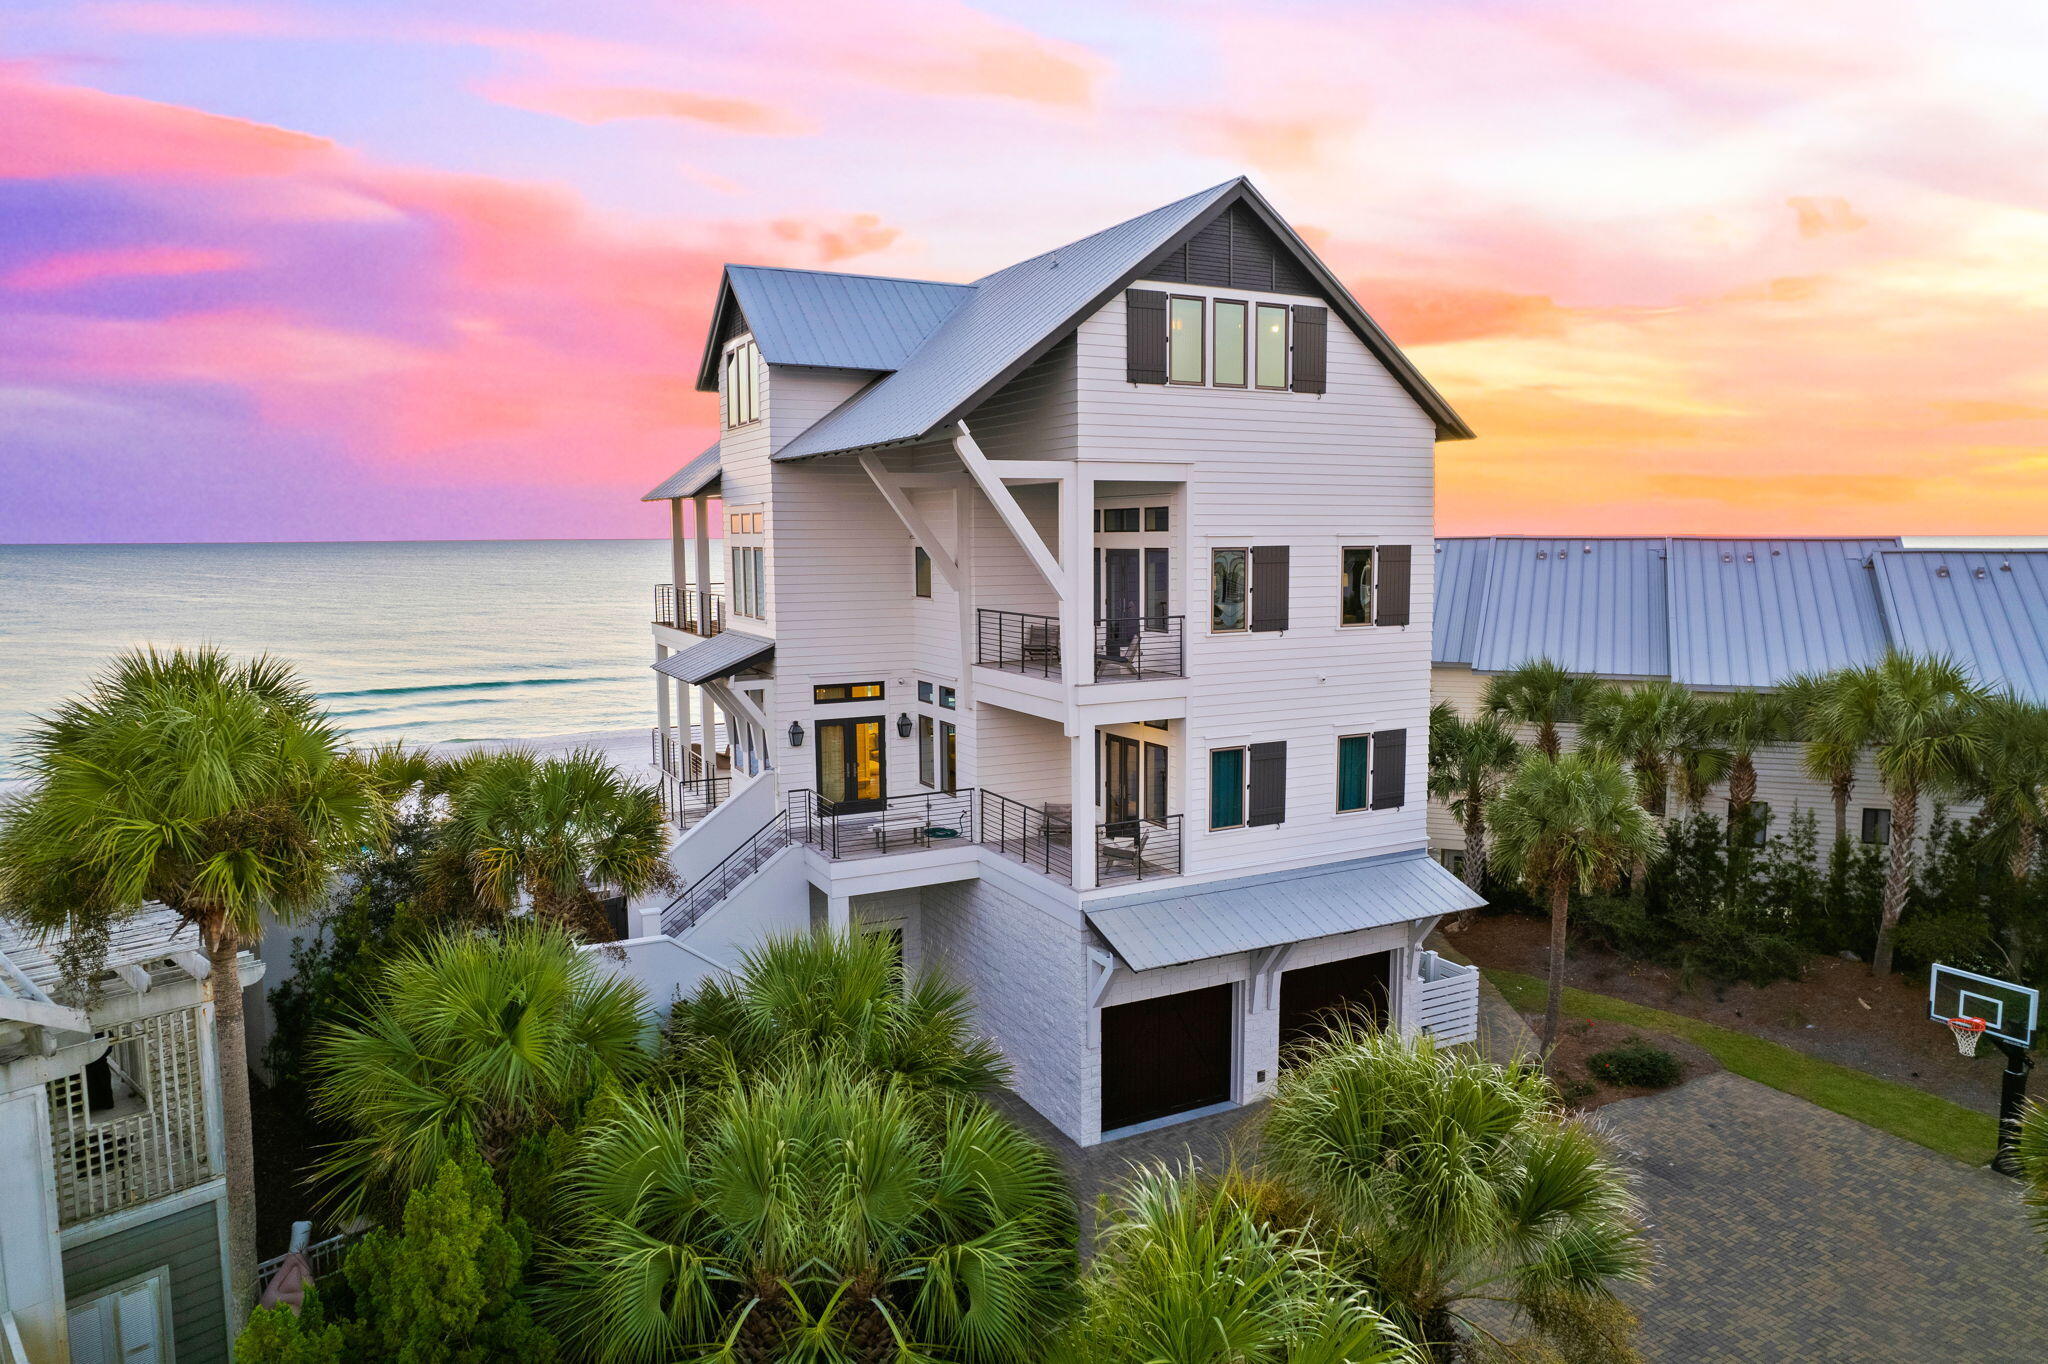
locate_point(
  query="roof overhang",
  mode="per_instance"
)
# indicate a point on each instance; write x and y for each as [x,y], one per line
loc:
[698,476]
[722,655]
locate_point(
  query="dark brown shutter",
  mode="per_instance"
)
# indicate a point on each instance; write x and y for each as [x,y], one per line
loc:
[1145,336]
[1311,348]
[1389,768]
[1391,572]
[1268,784]
[1269,587]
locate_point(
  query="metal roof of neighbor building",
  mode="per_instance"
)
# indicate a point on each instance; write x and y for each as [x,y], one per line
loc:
[1986,609]
[722,655]
[1245,914]
[699,474]
[1590,605]
[1460,587]
[1752,613]
[833,321]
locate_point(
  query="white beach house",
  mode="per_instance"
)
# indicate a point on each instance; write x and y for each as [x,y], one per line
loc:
[1076,629]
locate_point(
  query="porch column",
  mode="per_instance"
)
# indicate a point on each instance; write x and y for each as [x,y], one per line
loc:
[702,547]
[678,561]
[1077,566]
[1081,791]
[661,710]
[838,913]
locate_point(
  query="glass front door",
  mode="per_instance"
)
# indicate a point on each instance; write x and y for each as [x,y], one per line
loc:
[851,765]
[1119,779]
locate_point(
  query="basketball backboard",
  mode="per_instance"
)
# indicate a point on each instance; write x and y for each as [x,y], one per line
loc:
[2011,1012]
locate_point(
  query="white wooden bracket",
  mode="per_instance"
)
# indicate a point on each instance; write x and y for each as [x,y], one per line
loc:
[736,703]
[1101,966]
[892,490]
[193,964]
[136,975]
[1005,503]
[1266,966]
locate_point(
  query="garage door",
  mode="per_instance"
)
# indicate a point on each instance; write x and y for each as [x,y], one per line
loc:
[1310,996]
[1165,1055]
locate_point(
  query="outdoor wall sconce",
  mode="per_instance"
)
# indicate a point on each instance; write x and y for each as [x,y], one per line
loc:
[796,734]
[903,725]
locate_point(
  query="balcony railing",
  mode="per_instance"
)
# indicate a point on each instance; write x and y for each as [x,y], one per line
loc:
[906,823]
[1137,850]
[1127,649]
[686,802]
[704,894]
[147,1136]
[1041,837]
[700,613]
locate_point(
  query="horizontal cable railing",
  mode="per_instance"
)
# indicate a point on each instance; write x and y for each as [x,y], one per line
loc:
[1134,647]
[686,802]
[1017,641]
[700,613]
[709,890]
[918,819]
[1137,850]
[1038,838]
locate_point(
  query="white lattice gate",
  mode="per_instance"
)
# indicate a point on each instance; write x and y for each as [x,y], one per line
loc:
[149,1138]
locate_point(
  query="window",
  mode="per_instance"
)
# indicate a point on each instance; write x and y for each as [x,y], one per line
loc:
[1156,518]
[921,571]
[1184,341]
[1229,575]
[1156,561]
[1226,788]
[740,385]
[1117,520]
[1230,343]
[749,591]
[833,692]
[743,523]
[924,692]
[1272,345]
[949,757]
[948,699]
[1354,772]
[1356,586]
[130,1323]
[1877,825]
[927,758]
[1760,821]
[1156,724]
[1155,782]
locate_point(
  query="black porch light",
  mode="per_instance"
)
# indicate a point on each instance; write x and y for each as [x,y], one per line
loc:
[796,734]
[903,725]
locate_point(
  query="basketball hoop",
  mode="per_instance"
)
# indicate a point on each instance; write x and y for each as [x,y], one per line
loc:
[1968,1032]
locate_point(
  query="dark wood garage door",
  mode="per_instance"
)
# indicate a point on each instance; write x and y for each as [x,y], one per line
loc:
[1309,996]
[1165,1055]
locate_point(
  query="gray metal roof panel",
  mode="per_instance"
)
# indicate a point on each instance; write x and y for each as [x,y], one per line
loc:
[1987,609]
[719,656]
[1589,605]
[1752,613]
[688,481]
[1460,589]
[814,317]
[1166,928]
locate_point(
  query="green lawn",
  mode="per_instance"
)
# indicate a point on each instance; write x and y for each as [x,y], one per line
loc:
[1917,1116]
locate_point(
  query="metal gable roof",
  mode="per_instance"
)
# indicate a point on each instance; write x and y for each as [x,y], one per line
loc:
[1460,588]
[1244,914]
[722,655]
[699,474]
[1589,605]
[1752,613]
[834,321]
[1987,609]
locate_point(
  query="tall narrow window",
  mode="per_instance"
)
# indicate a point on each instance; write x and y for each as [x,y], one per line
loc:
[927,759]
[1155,782]
[1355,584]
[1156,586]
[921,571]
[1354,772]
[1184,341]
[949,757]
[742,397]
[1877,825]
[1226,788]
[1228,573]
[1229,343]
[1272,345]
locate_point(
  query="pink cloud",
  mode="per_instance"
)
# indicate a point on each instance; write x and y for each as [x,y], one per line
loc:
[68,269]
[60,131]
[611,103]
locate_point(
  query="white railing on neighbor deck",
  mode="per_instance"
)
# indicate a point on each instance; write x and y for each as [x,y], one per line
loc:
[1447,999]
[153,1141]
[322,1257]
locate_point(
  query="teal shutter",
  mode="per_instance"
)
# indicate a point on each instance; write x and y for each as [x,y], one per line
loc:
[1354,772]
[1226,788]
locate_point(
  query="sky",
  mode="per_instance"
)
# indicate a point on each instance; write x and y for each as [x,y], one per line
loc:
[426,269]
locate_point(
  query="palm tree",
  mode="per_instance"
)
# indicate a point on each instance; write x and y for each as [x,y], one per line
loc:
[1741,723]
[2032,1154]
[471,1040]
[820,994]
[1543,694]
[1185,1272]
[1451,1180]
[1922,720]
[557,832]
[1564,824]
[1655,730]
[1469,761]
[816,1213]
[214,787]
[2012,780]
[1833,742]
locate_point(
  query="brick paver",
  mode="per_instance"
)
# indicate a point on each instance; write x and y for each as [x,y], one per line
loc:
[1789,1233]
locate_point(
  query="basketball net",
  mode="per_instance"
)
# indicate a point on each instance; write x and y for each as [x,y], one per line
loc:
[1968,1032]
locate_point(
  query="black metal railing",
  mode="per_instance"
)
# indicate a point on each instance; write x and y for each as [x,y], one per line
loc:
[700,613]
[674,754]
[1135,647]
[1039,838]
[686,802]
[1137,850]
[905,823]
[708,891]
[1018,641]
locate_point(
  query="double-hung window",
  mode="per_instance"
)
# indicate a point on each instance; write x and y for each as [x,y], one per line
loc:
[749,590]
[1372,770]
[1229,589]
[740,385]
[1227,769]
[921,572]
[1354,772]
[1355,586]
[1185,341]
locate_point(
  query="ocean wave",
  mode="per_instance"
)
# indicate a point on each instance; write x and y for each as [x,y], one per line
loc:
[498,685]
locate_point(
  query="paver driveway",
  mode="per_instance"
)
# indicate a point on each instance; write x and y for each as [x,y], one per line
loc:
[1789,1233]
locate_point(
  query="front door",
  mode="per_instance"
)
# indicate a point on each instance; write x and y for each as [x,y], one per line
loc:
[1312,998]
[1117,602]
[1165,1055]
[1120,786]
[852,773]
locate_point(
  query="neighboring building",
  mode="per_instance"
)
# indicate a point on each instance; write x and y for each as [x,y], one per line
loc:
[113,1203]
[1721,614]
[1075,630]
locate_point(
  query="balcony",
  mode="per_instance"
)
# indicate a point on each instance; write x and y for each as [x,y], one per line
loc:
[132,1128]
[683,803]
[906,823]
[1132,649]
[1042,838]
[1137,850]
[698,613]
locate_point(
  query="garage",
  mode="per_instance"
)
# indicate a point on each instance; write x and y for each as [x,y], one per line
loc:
[1165,1055]
[1311,996]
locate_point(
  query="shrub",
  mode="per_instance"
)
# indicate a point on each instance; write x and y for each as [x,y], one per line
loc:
[278,1335]
[1635,1064]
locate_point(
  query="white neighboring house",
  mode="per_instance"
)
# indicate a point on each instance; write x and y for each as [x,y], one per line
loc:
[1076,630]
[113,1241]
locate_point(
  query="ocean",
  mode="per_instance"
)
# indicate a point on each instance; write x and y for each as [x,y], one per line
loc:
[430,642]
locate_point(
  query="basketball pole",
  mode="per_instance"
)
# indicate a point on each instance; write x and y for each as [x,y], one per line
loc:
[2018,1061]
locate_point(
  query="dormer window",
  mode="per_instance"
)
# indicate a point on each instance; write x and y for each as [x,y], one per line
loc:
[739,385]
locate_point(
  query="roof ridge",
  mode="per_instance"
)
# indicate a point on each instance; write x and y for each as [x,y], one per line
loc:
[1161,208]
